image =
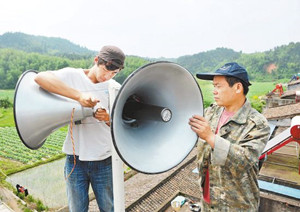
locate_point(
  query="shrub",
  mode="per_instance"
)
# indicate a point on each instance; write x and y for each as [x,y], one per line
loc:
[40,206]
[5,103]
[257,103]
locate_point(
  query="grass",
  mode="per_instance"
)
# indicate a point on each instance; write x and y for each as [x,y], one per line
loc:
[7,93]
[7,117]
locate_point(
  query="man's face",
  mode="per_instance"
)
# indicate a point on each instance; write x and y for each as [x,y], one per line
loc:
[103,74]
[224,95]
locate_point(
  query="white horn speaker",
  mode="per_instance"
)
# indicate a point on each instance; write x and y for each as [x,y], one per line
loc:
[150,115]
[38,113]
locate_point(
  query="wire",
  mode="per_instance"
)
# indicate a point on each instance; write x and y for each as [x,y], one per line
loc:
[73,144]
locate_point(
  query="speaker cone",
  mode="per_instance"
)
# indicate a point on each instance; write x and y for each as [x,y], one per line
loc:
[150,117]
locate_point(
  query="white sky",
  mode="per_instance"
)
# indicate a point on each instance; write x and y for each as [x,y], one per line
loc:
[158,28]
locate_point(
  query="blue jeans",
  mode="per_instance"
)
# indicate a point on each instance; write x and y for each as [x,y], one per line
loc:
[96,173]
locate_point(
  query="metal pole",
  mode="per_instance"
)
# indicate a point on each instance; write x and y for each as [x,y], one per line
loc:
[117,163]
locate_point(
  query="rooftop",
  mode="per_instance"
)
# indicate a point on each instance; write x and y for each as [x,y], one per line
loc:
[285,111]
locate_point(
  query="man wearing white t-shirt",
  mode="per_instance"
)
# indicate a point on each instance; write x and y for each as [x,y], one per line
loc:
[92,138]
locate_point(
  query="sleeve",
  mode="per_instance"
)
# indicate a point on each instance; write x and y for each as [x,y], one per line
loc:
[67,75]
[204,150]
[245,154]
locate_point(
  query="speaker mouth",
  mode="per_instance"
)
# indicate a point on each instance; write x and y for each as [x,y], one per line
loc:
[38,113]
[150,115]
[18,105]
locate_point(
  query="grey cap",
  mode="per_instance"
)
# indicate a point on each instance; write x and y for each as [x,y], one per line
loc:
[110,53]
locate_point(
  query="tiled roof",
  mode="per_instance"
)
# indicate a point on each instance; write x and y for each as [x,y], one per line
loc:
[182,180]
[148,192]
[286,111]
[288,93]
[294,82]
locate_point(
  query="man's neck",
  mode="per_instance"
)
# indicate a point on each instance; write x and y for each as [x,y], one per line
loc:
[89,73]
[236,106]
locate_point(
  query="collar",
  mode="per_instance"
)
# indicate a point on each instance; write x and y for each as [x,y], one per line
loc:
[240,117]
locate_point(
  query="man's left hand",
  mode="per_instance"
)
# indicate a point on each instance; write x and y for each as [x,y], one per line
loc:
[201,127]
[101,115]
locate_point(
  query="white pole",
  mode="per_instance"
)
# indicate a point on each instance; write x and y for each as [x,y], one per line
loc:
[117,163]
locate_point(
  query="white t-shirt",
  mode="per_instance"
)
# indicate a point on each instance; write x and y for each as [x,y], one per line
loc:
[92,138]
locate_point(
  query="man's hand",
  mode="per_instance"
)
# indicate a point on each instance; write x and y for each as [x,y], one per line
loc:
[87,100]
[201,127]
[102,115]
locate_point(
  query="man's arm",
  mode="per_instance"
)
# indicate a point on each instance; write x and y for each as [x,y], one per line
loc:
[246,152]
[53,84]
[242,156]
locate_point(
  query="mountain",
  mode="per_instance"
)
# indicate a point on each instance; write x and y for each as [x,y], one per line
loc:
[208,61]
[20,52]
[44,45]
[282,62]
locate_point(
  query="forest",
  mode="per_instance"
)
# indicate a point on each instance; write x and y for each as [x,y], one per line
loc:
[20,52]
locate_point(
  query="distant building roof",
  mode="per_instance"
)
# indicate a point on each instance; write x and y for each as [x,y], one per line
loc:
[286,111]
[294,82]
[288,93]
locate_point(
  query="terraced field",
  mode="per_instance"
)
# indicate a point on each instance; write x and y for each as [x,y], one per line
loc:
[11,147]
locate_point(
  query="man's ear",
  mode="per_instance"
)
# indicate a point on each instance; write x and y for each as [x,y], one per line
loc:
[239,87]
[96,59]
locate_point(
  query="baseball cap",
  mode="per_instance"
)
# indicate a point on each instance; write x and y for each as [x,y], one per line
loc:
[229,69]
[111,53]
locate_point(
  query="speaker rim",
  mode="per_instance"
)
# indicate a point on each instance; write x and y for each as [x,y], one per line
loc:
[114,105]
[15,119]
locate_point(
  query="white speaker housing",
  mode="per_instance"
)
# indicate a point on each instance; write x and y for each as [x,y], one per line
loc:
[155,146]
[38,113]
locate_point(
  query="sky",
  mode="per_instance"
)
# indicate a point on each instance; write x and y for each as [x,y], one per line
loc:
[158,28]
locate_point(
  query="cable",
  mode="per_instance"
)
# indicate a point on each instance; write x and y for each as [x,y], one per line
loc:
[73,144]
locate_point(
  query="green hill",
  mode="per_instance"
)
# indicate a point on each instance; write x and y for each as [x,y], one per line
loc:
[44,45]
[20,52]
[279,63]
[208,61]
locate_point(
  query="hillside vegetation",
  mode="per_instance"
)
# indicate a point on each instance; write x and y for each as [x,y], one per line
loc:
[44,45]
[20,52]
[279,63]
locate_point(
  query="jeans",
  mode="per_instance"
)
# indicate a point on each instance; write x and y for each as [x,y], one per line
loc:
[96,173]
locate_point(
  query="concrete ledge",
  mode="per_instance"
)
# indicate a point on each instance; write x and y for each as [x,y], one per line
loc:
[277,203]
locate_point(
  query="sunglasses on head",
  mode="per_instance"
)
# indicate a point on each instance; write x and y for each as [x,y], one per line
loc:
[112,65]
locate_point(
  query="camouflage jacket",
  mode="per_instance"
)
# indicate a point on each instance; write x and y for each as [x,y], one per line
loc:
[233,163]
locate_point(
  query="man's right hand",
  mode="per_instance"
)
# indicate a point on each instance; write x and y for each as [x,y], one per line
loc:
[87,100]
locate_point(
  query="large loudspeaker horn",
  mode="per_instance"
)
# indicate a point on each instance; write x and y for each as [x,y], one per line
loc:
[38,113]
[150,117]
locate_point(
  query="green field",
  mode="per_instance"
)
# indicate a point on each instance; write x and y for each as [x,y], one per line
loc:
[6,117]
[7,93]
[11,147]
[14,155]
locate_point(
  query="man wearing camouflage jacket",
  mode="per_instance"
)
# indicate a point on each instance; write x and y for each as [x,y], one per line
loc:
[232,136]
